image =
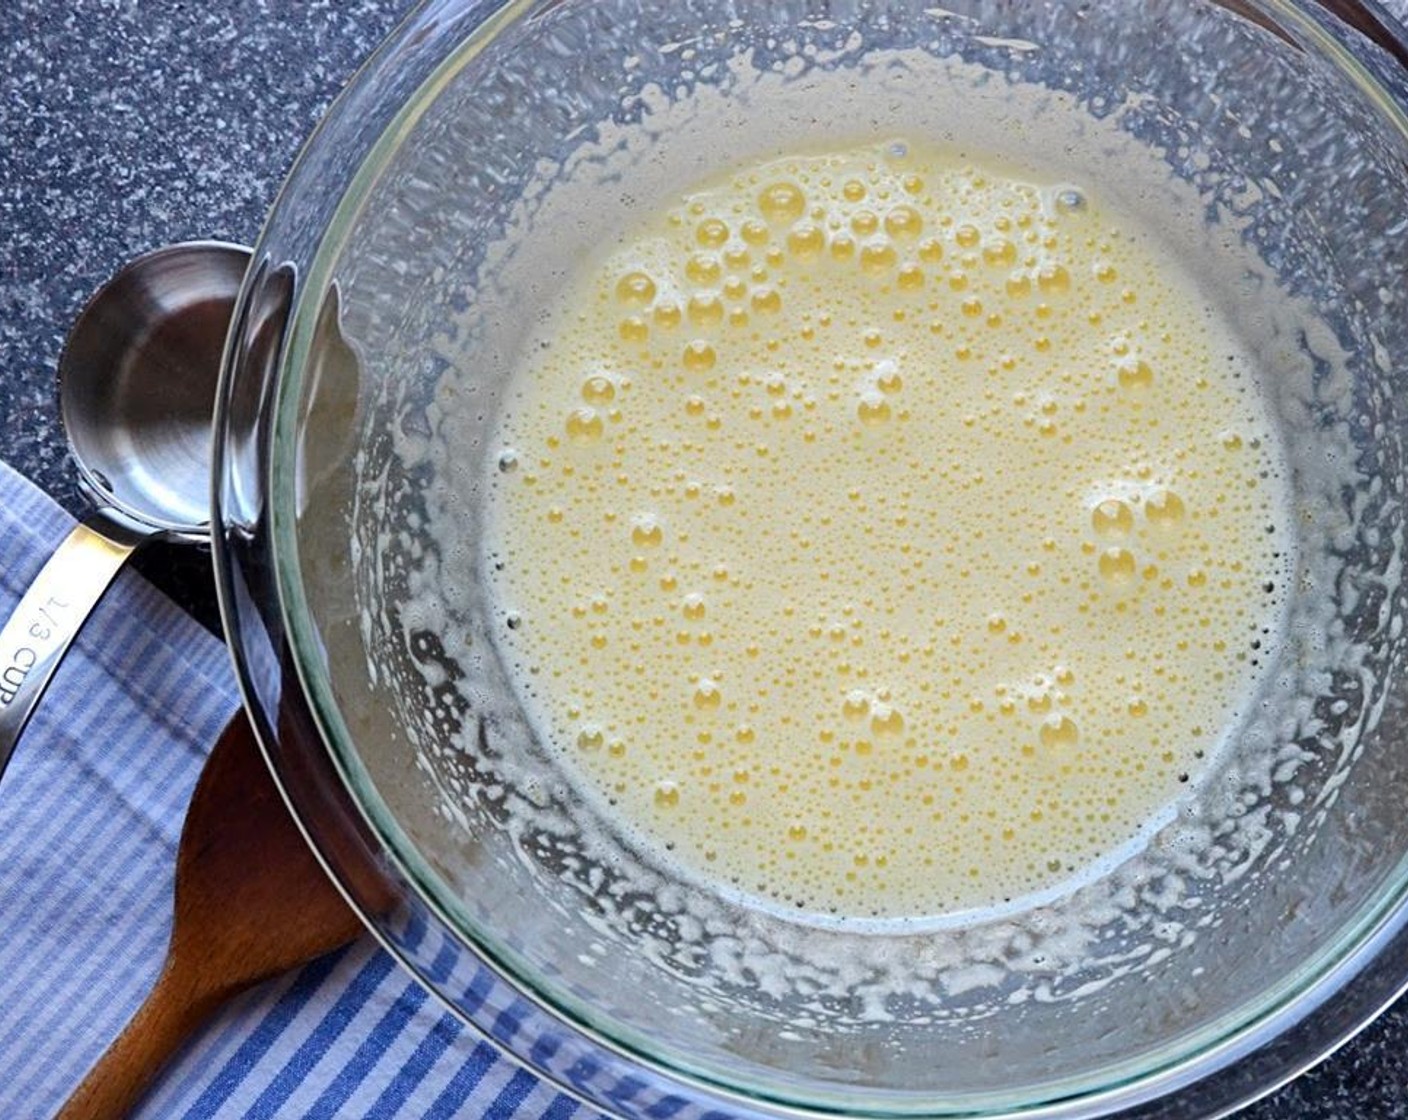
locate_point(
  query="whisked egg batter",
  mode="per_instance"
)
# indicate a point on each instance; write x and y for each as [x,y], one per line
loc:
[884,534]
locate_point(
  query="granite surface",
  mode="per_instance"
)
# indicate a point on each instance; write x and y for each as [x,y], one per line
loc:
[125,125]
[130,124]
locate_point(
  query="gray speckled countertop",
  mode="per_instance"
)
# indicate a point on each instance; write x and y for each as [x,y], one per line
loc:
[129,124]
[125,125]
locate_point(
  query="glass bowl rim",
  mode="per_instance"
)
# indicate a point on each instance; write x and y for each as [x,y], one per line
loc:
[1282,1009]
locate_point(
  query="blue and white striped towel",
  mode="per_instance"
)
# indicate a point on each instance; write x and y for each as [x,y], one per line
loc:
[90,812]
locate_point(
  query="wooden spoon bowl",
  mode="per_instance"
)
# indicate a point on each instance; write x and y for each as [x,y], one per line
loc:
[252,902]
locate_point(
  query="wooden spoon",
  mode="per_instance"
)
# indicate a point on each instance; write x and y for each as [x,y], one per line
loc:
[252,902]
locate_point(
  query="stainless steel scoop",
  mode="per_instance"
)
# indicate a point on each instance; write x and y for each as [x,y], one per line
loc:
[137,384]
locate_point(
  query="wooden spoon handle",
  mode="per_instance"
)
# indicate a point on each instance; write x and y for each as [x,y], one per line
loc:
[178,1005]
[251,901]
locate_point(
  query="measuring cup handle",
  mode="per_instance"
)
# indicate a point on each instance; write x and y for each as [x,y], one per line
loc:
[48,618]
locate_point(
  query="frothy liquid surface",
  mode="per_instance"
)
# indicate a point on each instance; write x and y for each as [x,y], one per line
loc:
[882,534]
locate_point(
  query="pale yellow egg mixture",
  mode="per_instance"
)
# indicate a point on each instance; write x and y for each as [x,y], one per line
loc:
[889,535]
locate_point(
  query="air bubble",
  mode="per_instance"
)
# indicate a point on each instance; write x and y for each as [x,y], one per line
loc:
[703,268]
[1059,731]
[635,289]
[591,738]
[647,532]
[1000,252]
[767,300]
[873,409]
[1135,374]
[1053,278]
[667,794]
[877,257]
[903,222]
[782,202]
[584,425]
[1112,518]
[712,233]
[806,240]
[705,309]
[1163,507]
[885,720]
[699,355]
[1117,564]
[911,277]
[598,390]
[754,232]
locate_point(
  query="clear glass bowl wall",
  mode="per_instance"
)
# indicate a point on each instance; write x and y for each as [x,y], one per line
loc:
[370,298]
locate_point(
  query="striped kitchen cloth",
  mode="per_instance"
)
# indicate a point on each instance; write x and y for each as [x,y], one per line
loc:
[90,813]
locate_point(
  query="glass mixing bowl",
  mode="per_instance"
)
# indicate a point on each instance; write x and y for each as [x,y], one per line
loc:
[483,152]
